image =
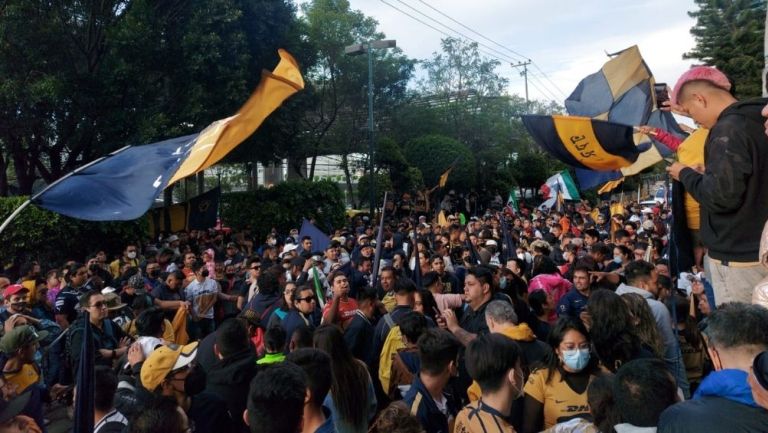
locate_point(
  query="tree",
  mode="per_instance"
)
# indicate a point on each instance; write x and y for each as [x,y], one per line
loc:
[433,154]
[336,120]
[84,78]
[729,35]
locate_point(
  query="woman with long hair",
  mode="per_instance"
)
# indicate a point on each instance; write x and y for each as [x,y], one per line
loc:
[610,326]
[643,323]
[352,399]
[424,303]
[558,389]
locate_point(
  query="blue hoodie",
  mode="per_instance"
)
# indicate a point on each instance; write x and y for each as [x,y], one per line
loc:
[728,383]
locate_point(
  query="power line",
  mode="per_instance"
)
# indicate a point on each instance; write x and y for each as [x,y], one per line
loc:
[535,65]
[499,53]
[534,76]
[516,53]
[524,57]
[505,59]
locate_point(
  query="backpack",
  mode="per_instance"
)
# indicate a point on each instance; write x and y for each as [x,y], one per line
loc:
[392,344]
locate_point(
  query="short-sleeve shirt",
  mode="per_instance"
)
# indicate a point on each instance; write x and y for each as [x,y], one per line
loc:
[560,401]
[478,417]
[202,296]
[26,376]
[346,311]
[473,321]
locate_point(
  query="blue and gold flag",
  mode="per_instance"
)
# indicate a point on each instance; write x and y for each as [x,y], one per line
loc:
[622,91]
[124,184]
[585,143]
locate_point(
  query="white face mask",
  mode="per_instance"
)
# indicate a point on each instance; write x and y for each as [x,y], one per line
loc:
[132,255]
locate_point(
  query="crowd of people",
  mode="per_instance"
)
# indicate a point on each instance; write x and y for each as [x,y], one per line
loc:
[560,320]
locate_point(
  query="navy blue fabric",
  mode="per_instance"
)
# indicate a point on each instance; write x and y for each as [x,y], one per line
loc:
[121,187]
[320,240]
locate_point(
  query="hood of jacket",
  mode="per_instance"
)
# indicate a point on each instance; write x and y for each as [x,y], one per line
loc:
[729,383]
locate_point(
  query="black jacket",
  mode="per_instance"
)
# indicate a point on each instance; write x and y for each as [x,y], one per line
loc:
[713,415]
[732,190]
[230,379]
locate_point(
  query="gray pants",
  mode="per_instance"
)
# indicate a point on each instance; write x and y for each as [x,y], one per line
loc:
[733,283]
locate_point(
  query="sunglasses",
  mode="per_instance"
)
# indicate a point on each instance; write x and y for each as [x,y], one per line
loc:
[307,299]
[99,305]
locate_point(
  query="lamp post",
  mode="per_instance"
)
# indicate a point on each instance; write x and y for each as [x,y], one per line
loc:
[367,48]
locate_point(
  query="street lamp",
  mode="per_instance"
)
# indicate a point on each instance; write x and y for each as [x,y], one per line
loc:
[356,50]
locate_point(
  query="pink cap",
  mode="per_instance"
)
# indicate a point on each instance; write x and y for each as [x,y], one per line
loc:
[706,73]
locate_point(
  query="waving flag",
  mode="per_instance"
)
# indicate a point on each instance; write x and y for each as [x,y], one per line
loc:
[585,143]
[622,92]
[444,177]
[562,183]
[512,202]
[125,183]
[320,240]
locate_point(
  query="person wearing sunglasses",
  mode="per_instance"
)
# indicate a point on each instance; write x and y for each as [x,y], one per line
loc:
[109,340]
[301,315]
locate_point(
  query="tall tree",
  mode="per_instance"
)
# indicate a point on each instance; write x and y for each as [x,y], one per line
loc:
[84,78]
[729,35]
[337,121]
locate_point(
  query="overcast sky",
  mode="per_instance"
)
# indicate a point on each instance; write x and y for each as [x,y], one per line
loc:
[566,39]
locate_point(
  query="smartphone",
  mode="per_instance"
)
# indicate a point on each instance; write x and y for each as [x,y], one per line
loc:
[662,93]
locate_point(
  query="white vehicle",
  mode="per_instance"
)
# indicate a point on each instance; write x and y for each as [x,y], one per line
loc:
[659,197]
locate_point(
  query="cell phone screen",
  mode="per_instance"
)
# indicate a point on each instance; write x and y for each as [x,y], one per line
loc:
[662,93]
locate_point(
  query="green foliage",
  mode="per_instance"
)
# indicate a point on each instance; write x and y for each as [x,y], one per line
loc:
[729,35]
[433,154]
[531,169]
[81,79]
[50,238]
[383,183]
[283,206]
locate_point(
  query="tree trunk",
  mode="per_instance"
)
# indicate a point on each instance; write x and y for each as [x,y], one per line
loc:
[3,176]
[348,179]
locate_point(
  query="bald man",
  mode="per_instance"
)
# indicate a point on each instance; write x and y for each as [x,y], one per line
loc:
[731,186]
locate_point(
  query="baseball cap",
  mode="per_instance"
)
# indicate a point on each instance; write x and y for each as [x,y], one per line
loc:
[19,337]
[231,245]
[13,407]
[163,360]
[703,73]
[14,289]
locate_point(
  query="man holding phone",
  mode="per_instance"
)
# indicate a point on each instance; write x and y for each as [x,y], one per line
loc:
[730,190]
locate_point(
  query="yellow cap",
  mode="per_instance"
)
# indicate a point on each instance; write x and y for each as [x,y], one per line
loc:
[164,360]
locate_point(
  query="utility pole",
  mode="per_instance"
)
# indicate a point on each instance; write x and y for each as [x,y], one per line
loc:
[367,48]
[524,74]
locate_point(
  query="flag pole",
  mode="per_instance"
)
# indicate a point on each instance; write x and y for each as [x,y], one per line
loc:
[24,205]
[379,242]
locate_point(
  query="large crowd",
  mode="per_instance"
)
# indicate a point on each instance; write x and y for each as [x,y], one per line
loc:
[577,319]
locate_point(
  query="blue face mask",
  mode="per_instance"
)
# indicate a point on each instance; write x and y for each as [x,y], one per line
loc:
[576,359]
[617,260]
[503,283]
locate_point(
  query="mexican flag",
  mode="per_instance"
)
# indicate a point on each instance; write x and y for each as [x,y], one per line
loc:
[512,202]
[560,184]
